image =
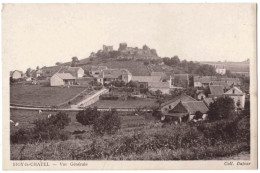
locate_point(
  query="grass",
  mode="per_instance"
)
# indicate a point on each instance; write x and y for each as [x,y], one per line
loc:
[38,95]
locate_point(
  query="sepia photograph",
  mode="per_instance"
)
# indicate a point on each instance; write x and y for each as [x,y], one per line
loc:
[129,82]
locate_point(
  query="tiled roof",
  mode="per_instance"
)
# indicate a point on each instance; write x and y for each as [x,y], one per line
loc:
[234,91]
[179,98]
[194,106]
[146,78]
[65,76]
[208,101]
[216,89]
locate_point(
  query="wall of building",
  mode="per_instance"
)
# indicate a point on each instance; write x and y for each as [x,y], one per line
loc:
[80,73]
[56,81]
[16,75]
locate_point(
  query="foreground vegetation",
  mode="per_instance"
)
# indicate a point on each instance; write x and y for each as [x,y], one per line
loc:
[152,140]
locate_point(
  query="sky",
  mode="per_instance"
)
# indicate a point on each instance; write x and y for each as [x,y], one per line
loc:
[43,34]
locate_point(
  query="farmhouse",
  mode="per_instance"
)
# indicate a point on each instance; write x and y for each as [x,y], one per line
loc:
[165,107]
[110,75]
[238,96]
[186,111]
[61,79]
[16,74]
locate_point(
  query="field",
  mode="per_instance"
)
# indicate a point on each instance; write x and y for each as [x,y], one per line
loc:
[38,95]
[125,104]
[27,117]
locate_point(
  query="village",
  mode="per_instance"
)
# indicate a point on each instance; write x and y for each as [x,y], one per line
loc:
[124,92]
[108,88]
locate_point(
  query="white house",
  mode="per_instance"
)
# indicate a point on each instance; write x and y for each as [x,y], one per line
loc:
[238,96]
[16,74]
[61,79]
[220,70]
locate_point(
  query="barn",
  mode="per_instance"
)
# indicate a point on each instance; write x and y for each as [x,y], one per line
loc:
[61,79]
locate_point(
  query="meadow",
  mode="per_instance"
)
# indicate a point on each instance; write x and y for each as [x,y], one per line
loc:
[38,95]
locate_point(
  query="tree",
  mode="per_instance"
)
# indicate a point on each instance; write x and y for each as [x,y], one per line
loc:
[87,116]
[222,108]
[176,92]
[132,84]
[58,63]
[175,60]
[74,62]
[109,122]
[37,68]
[28,72]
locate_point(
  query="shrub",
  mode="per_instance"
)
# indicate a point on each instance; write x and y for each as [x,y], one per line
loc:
[108,123]
[87,116]
[21,136]
[50,128]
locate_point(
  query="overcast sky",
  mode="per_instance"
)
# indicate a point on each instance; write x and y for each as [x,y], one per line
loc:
[41,35]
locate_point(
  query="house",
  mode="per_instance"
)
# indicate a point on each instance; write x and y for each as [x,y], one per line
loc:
[145,80]
[220,70]
[61,79]
[237,95]
[216,91]
[165,107]
[77,72]
[109,75]
[186,111]
[95,71]
[203,81]
[16,74]
[164,87]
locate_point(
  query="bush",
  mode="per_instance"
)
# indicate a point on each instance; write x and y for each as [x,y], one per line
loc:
[21,136]
[44,130]
[108,123]
[87,116]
